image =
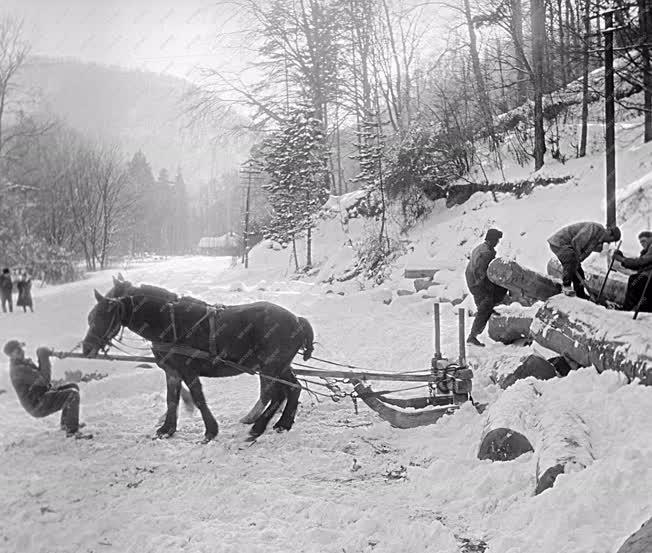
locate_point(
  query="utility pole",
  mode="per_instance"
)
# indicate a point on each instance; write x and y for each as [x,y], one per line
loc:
[610,115]
[248,169]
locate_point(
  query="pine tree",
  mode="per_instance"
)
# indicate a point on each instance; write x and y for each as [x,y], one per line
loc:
[295,157]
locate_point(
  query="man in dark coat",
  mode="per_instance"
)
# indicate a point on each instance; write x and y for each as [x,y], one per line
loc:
[6,287]
[485,293]
[573,244]
[35,391]
[643,267]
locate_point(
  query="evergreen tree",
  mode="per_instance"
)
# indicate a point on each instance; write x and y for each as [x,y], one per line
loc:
[295,158]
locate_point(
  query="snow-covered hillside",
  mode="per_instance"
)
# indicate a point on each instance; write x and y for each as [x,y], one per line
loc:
[338,482]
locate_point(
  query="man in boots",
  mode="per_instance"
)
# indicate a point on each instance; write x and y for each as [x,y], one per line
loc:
[35,391]
[637,282]
[572,245]
[6,288]
[485,293]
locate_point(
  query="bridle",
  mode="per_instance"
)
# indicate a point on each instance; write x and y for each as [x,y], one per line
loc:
[118,321]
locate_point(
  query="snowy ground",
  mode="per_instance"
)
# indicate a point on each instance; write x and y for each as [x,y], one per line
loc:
[337,482]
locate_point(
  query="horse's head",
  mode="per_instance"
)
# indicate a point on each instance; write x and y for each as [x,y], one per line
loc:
[121,288]
[104,323]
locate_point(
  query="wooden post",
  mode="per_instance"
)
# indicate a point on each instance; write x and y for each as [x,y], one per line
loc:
[437,331]
[249,168]
[610,116]
[461,336]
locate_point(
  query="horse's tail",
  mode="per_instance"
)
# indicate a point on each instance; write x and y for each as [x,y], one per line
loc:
[308,338]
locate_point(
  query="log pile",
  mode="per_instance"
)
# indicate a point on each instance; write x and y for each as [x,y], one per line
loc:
[614,289]
[591,335]
[521,281]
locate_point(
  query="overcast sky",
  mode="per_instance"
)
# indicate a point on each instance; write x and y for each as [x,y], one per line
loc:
[170,36]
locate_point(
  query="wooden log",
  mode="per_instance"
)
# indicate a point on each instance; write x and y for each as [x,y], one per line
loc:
[592,335]
[640,541]
[531,365]
[505,434]
[397,418]
[614,290]
[521,281]
[523,420]
[511,324]
[563,444]
[419,273]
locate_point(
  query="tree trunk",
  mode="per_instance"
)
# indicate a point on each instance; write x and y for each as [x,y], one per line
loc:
[511,326]
[562,44]
[504,437]
[521,280]
[585,77]
[592,335]
[483,98]
[538,17]
[645,24]
[516,25]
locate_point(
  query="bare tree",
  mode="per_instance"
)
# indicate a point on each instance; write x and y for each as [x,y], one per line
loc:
[13,51]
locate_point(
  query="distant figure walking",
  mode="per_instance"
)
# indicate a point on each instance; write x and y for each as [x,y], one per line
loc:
[24,286]
[637,282]
[35,391]
[6,287]
[485,293]
[572,245]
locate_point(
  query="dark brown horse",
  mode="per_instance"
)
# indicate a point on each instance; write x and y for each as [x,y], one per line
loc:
[122,288]
[260,337]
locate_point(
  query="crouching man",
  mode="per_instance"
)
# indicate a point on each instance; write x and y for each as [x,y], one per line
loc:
[572,245]
[35,391]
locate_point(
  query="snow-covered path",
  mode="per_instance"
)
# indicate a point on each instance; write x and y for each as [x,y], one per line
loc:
[336,483]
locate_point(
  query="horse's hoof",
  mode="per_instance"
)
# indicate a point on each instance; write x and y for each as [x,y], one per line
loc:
[164,432]
[247,420]
[208,438]
[282,427]
[251,439]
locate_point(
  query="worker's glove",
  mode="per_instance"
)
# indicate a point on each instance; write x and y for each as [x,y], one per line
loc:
[618,255]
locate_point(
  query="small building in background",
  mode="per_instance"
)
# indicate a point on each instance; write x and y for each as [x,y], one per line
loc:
[227,244]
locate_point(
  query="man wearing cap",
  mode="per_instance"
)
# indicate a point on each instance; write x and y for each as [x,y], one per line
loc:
[573,244]
[637,282]
[35,391]
[485,293]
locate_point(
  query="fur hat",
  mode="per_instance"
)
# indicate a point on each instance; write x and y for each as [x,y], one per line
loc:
[615,233]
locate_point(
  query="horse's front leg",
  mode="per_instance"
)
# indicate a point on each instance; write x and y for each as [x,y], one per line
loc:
[173,391]
[259,406]
[194,385]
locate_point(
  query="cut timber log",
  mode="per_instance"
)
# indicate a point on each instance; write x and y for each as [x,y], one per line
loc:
[563,445]
[504,436]
[531,365]
[510,325]
[523,420]
[521,281]
[592,335]
[614,290]
[419,273]
[640,541]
